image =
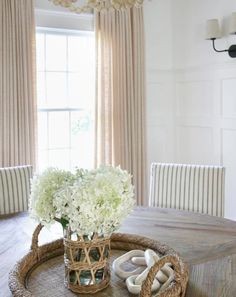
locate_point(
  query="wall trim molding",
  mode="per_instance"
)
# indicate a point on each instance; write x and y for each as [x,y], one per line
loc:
[55,13]
[210,67]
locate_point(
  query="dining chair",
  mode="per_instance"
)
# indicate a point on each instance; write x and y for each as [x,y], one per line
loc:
[15,188]
[197,188]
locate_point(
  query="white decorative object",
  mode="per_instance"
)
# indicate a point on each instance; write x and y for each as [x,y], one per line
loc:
[168,271]
[121,273]
[79,6]
[145,260]
[151,257]
[136,289]
[139,261]
[161,276]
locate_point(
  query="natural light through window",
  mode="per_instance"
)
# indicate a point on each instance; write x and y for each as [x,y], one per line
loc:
[65,92]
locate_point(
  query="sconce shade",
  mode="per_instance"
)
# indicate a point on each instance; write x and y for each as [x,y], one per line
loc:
[213,29]
[232,27]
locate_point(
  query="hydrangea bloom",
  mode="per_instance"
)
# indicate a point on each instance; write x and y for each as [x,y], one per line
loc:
[43,189]
[96,202]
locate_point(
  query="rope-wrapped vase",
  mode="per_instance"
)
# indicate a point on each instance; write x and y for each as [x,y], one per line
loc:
[86,262]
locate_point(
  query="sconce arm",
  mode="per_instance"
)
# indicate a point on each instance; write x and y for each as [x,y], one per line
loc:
[216,50]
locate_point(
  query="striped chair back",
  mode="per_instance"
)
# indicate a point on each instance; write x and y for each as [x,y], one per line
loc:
[15,188]
[188,187]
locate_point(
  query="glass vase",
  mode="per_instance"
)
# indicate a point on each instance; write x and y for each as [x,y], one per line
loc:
[86,262]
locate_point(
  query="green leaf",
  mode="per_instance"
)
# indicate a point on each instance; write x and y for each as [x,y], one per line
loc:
[64,222]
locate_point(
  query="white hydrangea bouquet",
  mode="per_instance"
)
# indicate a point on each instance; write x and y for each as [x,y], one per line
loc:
[90,205]
[88,201]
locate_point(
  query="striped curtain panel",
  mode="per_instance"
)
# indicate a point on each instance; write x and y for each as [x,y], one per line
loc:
[14,189]
[188,187]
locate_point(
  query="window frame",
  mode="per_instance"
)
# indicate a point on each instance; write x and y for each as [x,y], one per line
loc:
[48,110]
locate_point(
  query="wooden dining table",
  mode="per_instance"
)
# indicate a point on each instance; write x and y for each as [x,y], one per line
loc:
[206,243]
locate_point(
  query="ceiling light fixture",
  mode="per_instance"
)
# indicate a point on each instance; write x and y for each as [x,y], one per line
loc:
[82,6]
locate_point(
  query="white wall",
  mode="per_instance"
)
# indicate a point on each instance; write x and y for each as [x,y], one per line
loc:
[158,29]
[203,88]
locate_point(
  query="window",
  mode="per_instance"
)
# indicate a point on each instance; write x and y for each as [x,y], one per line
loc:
[65,92]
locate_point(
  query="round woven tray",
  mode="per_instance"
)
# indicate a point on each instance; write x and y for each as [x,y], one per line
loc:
[41,272]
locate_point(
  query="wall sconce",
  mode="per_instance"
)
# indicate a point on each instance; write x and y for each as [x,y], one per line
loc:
[213,32]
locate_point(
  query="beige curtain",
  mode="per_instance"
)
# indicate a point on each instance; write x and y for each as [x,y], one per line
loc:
[120,110]
[17,83]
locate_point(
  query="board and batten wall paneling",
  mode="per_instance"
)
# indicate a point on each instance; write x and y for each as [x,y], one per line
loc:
[205,96]
[192,109]
[194,145]
[205,121]
[229,97]
[229,160]
[205,91]
[160,139]
[195,98]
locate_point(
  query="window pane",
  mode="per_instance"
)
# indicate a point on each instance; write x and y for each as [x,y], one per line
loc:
[60,158]
[42,130]
[40,51]
[43,159]
[79,91]
[91,53]
[41,92]
[82,133]
[56,52]
[81,158]
[56,86]
[81,124]
[77,53]
[59,130]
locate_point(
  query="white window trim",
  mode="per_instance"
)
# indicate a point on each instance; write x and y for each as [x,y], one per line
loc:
[64,20]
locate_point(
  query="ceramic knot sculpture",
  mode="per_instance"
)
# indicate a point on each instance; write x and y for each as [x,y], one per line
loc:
[143,261]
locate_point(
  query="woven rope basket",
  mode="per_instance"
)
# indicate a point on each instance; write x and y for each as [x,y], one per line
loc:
[118,241]
[86,263]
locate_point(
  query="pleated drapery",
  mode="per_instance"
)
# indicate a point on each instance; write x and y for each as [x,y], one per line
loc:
[120,99]
[17,83]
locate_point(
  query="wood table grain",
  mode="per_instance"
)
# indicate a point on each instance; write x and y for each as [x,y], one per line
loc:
[207,243]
